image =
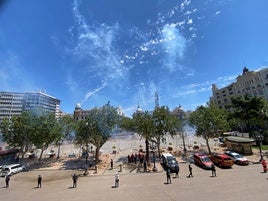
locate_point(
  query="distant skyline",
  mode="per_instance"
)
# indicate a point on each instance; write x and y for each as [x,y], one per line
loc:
[92,52]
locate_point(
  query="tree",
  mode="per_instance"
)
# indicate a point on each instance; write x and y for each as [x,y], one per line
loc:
[66,124]
[18,130]
[164,123]
[152,126]
[248,112]
[47,131]
[142,123]
[97,127]
[208,121]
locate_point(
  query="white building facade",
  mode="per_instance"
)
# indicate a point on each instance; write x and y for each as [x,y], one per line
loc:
[252,83]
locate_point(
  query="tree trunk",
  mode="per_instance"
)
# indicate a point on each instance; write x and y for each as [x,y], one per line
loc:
[209,151]
[58,151]
[97,155]
[147,150]
[41,155]
[158,150]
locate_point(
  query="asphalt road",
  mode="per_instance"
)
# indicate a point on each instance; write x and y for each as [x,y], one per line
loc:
[245,183]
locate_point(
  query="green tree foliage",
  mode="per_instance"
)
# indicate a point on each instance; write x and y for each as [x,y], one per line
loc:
[31,129]
[144,125]
[66,123]
[164,123]
[17,131]
[96,129]
[47,131]
[152,126]
[248,113]
[208,121]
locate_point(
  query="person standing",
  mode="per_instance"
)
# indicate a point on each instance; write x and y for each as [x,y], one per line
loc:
[168,176]
[39,181]
[213,170]
[116,177]
[75,177]
[7,180]
[112,164]
[264,165]
[190,171]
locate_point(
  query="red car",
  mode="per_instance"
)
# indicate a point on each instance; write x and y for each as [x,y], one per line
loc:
[222,160]
[202,160]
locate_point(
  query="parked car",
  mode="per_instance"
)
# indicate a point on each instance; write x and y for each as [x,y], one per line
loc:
[202,160]
[221,160]
[11,169]
[170,162]
[237,158]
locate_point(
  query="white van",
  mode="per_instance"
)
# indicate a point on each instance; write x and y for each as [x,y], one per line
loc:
[170,162]
[11,169]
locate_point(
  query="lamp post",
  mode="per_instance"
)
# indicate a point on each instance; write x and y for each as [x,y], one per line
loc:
[86,151]
[182,133]
[87,154]
[154,149]
[259,139]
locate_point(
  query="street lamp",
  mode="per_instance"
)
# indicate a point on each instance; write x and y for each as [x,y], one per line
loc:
[154,149]
[182,132]
[259,139]
[86,151]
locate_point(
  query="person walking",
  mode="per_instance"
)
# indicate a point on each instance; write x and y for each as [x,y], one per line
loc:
[75,177]
[39,181]
[168,176]
[190,171]
[112,164]
[213,170]
[116,177]
[7,180]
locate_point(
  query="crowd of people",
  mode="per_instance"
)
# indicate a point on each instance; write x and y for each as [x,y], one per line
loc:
[138,159]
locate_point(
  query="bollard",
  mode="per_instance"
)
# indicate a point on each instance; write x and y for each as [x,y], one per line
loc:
[120,167]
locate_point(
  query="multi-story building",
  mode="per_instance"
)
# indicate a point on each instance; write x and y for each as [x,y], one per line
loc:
[10,104]
[13,103]
[81,114]
[252,83]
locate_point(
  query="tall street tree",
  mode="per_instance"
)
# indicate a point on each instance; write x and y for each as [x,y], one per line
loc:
[208,121]
[141,122]
[248,112]
[96,129]
[164,123]
[47,131]
[66,124]
[17,131]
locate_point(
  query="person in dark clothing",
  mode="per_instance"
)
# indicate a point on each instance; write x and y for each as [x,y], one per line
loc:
[112,164]
[213,170]
[7,181]
[168,176]
[190,171]
[75,177]
[39,181]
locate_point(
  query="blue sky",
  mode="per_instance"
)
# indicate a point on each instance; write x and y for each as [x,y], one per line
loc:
[123,51]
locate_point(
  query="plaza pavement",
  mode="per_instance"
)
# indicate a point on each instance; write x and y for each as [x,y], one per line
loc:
[245,183]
